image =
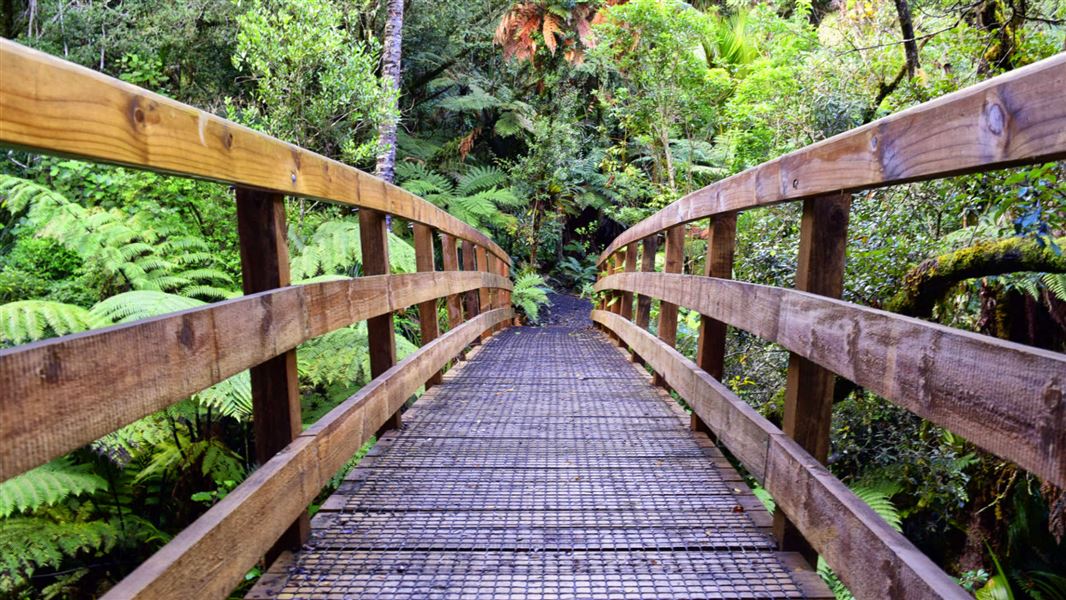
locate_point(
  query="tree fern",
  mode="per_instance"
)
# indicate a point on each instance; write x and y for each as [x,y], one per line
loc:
[46,485]
[31,543]
[1056,283]
[476,196]
[134,306]
[334,249]
[30,320]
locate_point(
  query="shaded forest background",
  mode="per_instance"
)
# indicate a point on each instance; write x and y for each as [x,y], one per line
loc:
[552,126]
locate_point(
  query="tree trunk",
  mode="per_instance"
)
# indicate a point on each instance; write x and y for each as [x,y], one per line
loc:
[928,282]
[390,70]
[910,45]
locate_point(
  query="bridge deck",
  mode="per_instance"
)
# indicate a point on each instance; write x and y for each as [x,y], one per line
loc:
[546,466]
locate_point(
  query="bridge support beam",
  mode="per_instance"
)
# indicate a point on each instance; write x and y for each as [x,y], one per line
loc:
[374,241]
[710,349]
[276,421]
[809,390]
[470,300]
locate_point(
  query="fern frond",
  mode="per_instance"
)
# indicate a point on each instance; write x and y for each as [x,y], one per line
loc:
[477,179]
[1056,283]
[232,396]
[30,543]
[141,304]
[31,320]
[46,485]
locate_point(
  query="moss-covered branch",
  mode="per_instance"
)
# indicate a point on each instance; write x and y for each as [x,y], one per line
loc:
[931,279]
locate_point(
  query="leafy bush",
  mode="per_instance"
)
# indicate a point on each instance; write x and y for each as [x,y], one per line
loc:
[529,294]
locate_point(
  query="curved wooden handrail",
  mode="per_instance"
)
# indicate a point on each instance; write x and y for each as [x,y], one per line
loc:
[122,373]
[1016,118]
[1015,410]
[838,524]
[52,106]
[205,561]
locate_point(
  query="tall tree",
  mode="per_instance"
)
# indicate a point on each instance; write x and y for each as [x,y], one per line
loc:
[390,70]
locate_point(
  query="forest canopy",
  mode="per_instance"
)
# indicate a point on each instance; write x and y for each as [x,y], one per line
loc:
[552,126]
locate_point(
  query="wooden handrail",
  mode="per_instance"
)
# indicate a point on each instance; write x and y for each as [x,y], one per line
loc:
[52,106]
[1016,118]
[937,372]
[211,557]
[124,372]
[871,558]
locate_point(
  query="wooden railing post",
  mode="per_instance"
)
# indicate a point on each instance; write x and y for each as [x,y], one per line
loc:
[675,259]
[484,298]
[427,311]
[374,241]
[647,265]
[275,385]
[630,266]
[471,298]
[450,261]
[506,272]
[710,349]
[809,390]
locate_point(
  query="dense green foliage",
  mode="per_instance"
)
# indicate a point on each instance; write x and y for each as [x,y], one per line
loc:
[552,126]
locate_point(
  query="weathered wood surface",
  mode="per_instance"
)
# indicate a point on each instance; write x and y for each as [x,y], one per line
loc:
[211,556]
[871,558]
[450,262]
[59,394]
[53,106]
[1004,397]
[428,327]
[630,266]
[648,248]
[484,300]
[1016,118]
[380,332]
[808,410]
[275,384]
[520,477]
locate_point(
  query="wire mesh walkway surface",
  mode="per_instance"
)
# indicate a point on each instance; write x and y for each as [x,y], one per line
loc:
[546,466]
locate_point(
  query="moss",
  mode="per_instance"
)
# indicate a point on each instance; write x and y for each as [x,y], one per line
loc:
[931,279]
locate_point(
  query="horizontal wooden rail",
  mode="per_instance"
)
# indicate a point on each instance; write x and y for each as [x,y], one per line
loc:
[1004,397]
[59,394]
[1016,118]
[52,106]
[871,558]
[211,557]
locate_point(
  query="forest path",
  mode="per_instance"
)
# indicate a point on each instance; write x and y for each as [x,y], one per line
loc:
[545,466]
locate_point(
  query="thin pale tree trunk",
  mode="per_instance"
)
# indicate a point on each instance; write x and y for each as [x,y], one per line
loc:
[390,70]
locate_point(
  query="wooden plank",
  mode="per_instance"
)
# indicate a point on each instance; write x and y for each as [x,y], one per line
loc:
[675,260]
[427,311]
[276,422]
[874,560]
[59,394]
[809,387]
[210,557]
[52,106]
[483,299]
[450,261]
[649,247]
[381,334]
[1015,410]
[710,346]
[1016,118]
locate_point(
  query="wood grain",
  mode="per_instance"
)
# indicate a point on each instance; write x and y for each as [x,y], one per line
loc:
[674,263]
[380,332]
[1004,397]
[870,557]
[484,300]
[59,394]
[52,106]
[630,266]
[648,248]
[210,557]
[710,345]
[1016,118]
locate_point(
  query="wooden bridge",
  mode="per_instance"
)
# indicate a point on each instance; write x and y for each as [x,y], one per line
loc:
[547,463]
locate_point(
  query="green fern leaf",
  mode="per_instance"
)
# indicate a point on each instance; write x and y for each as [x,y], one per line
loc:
[142,304]
[31,320]
[46,485]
